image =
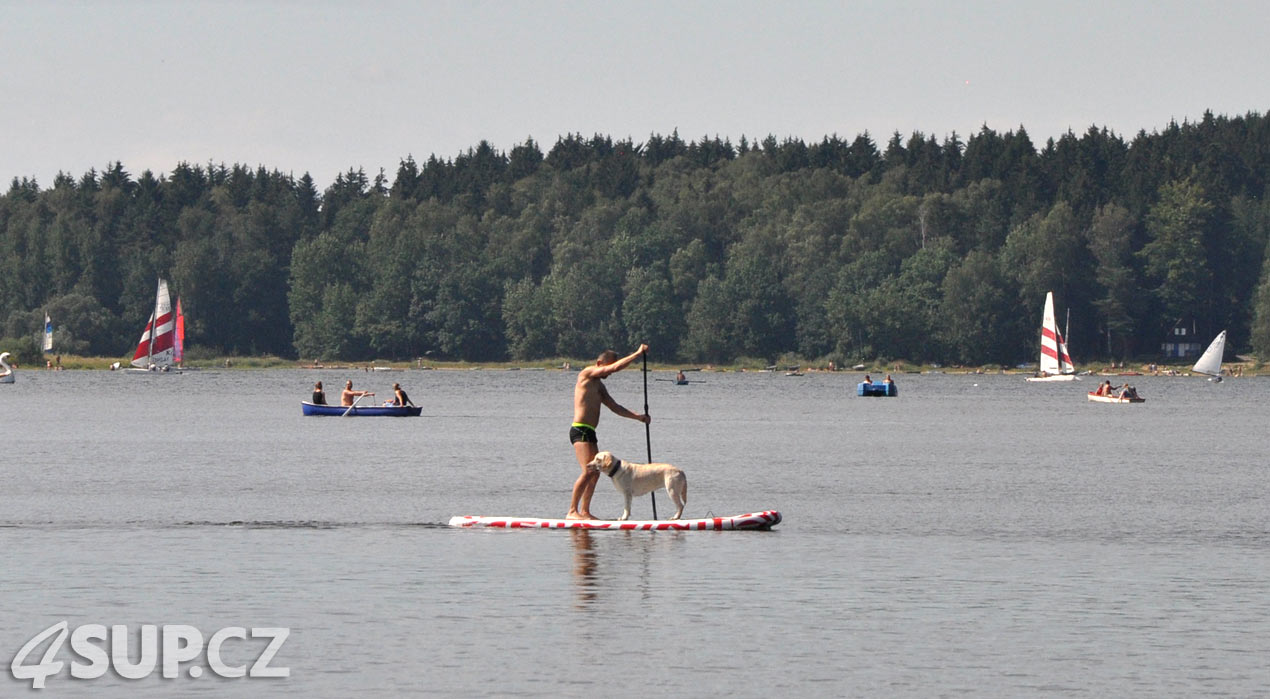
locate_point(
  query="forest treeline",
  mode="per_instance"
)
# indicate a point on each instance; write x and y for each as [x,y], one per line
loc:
[708,250]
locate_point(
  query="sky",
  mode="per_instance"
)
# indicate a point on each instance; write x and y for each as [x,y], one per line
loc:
[322,87]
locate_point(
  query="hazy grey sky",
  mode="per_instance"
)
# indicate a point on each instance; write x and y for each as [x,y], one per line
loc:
[322,87]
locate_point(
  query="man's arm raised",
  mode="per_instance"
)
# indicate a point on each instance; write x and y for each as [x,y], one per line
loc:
[620,364]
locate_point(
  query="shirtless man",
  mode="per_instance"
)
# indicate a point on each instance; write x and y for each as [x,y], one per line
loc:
[588,395]
[348,395]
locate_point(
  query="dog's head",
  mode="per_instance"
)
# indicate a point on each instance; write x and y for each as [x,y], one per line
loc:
[603,462]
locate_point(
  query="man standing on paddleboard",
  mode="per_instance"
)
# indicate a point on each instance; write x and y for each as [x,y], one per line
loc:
[589,394]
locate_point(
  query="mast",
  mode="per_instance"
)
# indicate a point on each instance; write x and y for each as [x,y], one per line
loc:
[154,325]
[1067,326]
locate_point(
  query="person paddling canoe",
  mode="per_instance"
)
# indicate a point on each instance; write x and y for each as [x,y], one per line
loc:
[348,395]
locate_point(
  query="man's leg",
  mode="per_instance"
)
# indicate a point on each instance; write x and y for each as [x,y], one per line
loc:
[584,487]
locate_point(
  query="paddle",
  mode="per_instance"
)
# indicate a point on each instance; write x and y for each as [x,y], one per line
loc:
[648,440]
[354,405]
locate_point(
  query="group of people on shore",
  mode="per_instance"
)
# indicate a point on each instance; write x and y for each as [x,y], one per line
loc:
[349,396]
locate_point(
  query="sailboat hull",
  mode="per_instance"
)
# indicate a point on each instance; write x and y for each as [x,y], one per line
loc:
[1057,377]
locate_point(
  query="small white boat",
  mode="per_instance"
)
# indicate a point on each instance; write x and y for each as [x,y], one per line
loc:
[1115,398]
[1210,362]
[1056,364]
[6,375]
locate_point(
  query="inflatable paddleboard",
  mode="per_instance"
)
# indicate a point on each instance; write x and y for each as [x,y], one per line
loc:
[754,520]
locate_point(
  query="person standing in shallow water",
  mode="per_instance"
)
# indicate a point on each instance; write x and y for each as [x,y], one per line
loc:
[589,394]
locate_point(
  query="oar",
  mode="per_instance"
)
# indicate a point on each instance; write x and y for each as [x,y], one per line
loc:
[354,405]
[648,440]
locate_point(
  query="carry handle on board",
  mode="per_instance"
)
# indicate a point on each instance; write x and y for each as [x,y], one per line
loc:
[648,440]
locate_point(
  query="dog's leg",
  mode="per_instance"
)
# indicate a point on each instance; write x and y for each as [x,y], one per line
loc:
[626,509]
[677,489]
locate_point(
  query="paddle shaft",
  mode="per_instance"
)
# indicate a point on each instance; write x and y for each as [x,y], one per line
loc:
[648,439]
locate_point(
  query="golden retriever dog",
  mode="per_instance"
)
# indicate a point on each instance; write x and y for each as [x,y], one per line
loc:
[637,479]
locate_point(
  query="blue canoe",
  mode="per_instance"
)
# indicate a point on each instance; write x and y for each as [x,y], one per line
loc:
[876,389]
[361,410]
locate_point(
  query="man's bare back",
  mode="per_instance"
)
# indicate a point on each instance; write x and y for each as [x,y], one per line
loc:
[588,396]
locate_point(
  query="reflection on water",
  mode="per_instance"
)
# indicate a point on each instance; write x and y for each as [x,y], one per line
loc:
[584,564]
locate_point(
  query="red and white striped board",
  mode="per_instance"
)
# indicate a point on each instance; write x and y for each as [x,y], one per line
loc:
[754,520]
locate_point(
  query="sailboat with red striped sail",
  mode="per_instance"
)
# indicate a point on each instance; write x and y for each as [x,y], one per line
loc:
[157,349]
[1056,364]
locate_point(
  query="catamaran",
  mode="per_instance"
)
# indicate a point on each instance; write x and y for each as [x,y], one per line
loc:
[1056,364]
[156,351]
[1210,362]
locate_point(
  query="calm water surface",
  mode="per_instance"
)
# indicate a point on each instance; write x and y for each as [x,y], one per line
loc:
[976,536]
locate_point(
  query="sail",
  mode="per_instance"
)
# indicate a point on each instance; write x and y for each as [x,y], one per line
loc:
[178,347]
[48,333]
[1054,357]
[159,352]
[1210,361]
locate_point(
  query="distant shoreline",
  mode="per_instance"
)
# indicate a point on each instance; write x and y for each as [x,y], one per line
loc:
[75,363]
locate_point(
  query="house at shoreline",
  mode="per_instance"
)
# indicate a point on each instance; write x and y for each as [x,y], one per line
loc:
[1182,341]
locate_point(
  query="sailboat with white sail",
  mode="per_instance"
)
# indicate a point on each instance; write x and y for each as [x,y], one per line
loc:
[156,351]
[1056,364]
[48,333]
[1210,361]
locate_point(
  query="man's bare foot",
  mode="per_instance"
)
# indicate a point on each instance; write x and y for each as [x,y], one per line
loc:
[575,515]
[588,515]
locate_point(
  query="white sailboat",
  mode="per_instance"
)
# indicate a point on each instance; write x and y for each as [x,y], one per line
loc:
[156,350]
[1210,361]
[48,333]
[6,371]
[1056,364]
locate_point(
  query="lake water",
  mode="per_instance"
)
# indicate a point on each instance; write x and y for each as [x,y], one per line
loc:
[977,535]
